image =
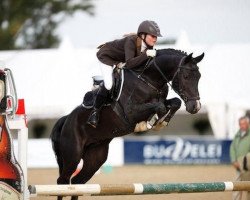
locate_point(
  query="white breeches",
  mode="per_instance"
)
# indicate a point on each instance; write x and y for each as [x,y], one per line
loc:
[107,75]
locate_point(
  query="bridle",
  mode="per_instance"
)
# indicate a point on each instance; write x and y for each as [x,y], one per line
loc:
[180,90]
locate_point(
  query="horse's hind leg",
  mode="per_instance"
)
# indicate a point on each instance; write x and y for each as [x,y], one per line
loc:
[93,158]
[68,170]
[72,153]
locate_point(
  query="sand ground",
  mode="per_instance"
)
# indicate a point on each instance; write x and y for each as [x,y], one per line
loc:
[147,174]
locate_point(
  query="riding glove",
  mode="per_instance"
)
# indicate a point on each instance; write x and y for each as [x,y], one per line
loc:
[121,65]
[151,53]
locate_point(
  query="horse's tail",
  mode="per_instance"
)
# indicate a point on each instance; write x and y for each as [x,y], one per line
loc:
[55,138]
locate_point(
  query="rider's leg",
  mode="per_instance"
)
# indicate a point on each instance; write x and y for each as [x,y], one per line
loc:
[107,75]
[101,95]
[99,102]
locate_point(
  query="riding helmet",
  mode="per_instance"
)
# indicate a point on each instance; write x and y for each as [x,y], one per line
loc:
[149,27]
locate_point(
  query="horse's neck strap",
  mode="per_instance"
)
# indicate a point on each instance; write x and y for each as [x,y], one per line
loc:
[175,74]
[146,82]
[159,70]
[164,77]
[149,84]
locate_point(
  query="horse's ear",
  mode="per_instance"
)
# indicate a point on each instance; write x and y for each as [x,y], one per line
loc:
[199,58]
[188,58]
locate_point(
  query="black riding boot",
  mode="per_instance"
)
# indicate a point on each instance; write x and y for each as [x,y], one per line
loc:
[94,117]
[101,98]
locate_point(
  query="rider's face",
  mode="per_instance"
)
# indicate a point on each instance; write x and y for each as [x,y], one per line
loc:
[150,40]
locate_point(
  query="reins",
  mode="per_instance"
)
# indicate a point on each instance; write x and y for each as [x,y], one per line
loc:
[162,74]
[144,80]
[179,91]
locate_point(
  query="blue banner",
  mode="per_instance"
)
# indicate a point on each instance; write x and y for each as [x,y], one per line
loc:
[176,150]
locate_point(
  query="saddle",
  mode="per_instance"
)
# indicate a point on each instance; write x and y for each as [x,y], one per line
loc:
[118,80]
[114,93]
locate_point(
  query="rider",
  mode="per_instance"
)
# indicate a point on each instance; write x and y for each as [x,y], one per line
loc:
[131,51]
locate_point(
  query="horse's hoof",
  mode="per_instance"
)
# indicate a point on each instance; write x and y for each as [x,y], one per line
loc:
[160,126]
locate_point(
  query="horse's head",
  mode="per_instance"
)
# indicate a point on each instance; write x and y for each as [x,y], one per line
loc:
[185,82]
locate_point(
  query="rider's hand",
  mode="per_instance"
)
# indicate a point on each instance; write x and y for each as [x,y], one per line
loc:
[121,65]
[151,53]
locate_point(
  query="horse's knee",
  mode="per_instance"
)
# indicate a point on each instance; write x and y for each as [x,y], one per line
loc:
[161,109]
[174,103]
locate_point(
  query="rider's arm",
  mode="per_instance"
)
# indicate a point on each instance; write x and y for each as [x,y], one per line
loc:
[131,59]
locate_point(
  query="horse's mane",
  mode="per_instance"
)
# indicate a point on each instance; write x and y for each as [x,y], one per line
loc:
[174,52]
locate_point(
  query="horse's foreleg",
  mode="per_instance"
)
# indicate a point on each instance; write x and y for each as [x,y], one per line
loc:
[93,158]
[154,111]
[172,105]
[149,109]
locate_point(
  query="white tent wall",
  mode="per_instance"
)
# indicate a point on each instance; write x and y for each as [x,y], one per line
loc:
[224,85]
[217,116]
[54,81]
[223,119]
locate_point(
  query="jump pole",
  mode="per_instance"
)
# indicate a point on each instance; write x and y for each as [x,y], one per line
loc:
[136,188]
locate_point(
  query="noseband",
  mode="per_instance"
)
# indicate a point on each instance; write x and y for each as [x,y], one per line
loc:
[176,74]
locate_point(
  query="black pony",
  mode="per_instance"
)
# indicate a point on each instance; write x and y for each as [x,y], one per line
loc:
[144,94]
